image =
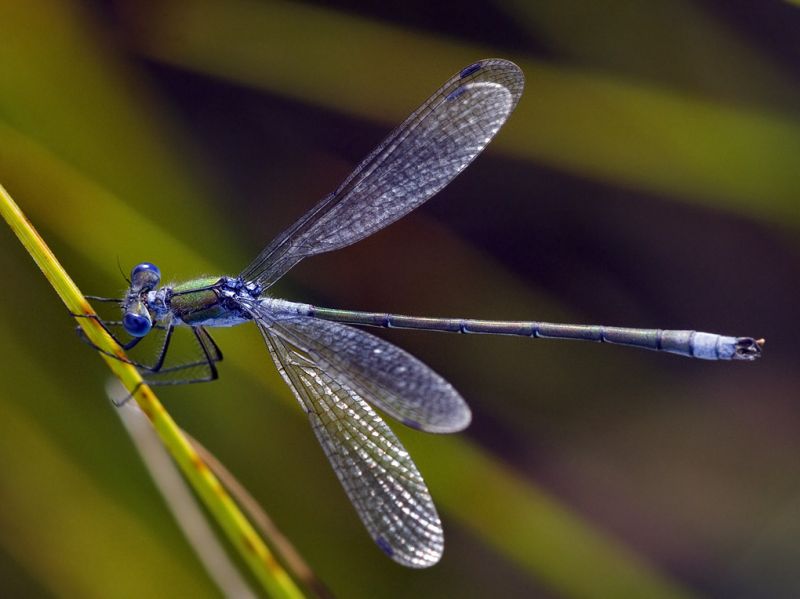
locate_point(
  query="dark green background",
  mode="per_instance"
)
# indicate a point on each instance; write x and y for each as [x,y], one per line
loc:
[649,177]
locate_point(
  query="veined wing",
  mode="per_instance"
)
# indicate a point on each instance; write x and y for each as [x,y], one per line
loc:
[379,372]
[374,468]
[413,163]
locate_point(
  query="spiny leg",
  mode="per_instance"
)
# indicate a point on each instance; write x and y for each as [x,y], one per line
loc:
[160,357]
[124,345]
[105,324]
[211,352]
[97,298]
[211,355]
[214,350]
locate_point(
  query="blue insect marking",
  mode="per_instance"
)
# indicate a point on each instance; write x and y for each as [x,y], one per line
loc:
[411,423]
[467,71]
[385,547]
[455,93]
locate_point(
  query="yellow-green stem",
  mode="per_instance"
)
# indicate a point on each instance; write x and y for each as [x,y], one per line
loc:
[274,579]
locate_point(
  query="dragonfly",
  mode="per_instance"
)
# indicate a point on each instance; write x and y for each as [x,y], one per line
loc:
[340,373]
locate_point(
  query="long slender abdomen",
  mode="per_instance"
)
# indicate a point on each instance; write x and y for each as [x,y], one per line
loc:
[693,344]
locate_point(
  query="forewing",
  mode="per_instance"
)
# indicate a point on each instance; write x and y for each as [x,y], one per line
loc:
[383,374]
[374,468]
[417,160]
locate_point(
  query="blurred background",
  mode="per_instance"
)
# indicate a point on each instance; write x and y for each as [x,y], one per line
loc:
[649,177]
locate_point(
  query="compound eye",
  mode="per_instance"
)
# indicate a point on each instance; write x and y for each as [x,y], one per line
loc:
[136,324]
[145,276]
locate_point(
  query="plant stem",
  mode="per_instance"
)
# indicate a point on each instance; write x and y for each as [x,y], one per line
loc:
[270,574]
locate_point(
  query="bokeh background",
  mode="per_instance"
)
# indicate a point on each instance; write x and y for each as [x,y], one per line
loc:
[649,177]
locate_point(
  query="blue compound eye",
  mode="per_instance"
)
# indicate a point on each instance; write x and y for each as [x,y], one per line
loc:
[145,276]
[136,324]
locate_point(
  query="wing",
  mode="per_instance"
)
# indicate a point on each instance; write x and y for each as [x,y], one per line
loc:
[379,372]
[418,159]
[375,470]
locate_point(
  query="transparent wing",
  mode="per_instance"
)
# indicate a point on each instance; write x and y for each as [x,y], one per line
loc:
[383,374]
[418,159]
[374,468]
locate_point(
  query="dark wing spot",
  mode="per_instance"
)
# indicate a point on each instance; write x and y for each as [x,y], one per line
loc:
[455,93]
[385,547]
[470,69]
[412,423]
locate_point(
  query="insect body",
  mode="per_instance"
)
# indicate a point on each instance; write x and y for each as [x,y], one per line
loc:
[336,370]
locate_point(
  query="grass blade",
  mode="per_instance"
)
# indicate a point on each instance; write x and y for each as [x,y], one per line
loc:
[244,538]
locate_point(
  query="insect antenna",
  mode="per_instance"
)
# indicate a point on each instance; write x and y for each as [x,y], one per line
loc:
[122,272]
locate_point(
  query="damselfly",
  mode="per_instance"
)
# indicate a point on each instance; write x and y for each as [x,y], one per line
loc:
[335,370]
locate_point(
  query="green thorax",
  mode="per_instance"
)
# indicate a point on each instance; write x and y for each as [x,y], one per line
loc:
[197,301]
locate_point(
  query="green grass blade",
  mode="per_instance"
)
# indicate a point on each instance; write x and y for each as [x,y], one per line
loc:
[582,122]
[177,495]
[571,557]
[577,540]
[269,573]
[66,530]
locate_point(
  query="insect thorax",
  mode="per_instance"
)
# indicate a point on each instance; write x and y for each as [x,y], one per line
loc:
[209,301]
